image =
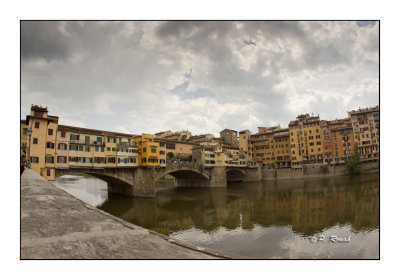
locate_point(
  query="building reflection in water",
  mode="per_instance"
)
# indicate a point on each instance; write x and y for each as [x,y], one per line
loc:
[308,206]
[256,219]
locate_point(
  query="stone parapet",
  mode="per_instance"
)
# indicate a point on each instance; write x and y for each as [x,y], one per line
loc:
[55,225]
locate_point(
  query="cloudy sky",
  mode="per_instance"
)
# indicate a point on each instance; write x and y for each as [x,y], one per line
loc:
[204,76]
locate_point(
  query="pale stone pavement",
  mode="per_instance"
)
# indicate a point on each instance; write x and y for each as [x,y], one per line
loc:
[56,225]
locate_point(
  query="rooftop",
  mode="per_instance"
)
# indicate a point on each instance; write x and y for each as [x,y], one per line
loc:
[365,110]
[38,108]
[92,131]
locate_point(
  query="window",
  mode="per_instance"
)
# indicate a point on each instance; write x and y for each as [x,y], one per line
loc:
[37,124]
[108,148]
[34,159]
[80,148]
[62,134]
[49,159]
[73,147]
[24,131]
[111,140]
[35,141]
[62,146]
[61,159]
[50,131]
[48,172]
[87,149]
[74,137]
[50,145]
[153,150]
[99,139]
[170,146]
[111,160]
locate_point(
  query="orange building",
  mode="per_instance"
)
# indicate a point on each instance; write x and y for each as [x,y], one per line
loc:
[338,140]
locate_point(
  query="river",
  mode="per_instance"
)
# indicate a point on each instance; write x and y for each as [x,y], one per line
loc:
[321,218]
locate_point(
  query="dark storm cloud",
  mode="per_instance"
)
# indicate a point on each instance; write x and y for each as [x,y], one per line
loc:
[43,39]
[202,70]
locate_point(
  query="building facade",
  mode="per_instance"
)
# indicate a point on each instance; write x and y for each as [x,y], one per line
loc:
[305,141]
[148,150]
[41,145]
[245,144]
[366,127]
[230,137]
[338,140]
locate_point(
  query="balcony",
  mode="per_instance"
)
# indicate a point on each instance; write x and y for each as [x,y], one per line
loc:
[127,144]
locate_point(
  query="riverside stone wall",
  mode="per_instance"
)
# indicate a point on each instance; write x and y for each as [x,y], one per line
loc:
[311,170]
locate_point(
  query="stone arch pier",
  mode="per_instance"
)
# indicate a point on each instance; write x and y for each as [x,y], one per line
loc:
[140,181]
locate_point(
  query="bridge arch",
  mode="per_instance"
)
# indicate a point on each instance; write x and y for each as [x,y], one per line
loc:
[235,175]
[118,181]
[186,177]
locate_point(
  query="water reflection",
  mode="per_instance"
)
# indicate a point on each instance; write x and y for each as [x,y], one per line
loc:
[88,189]
[266,219]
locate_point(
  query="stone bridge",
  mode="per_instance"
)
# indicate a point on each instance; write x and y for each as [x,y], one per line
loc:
[140,181]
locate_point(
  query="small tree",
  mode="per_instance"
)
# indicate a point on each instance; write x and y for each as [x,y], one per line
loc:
[353,164]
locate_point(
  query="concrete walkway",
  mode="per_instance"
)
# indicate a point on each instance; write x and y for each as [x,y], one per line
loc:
[56,225]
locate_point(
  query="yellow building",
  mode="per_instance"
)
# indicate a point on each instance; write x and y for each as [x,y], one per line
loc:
[204,154]
[280,144]
[218,154]
[41,145]
[148,150]
[263,146]
[175,151]
[163,153]
[366,126]
[305,141]
[111,150]
[245,145]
